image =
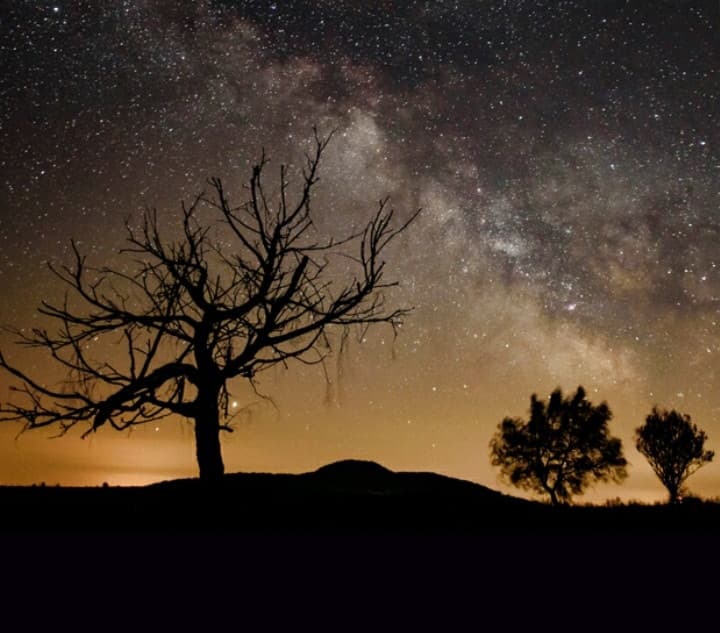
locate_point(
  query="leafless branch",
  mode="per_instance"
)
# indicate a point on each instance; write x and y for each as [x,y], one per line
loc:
[164,334]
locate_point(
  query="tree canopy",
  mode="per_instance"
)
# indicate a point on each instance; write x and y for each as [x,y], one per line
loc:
[255,286]
[674,448]
[563,447]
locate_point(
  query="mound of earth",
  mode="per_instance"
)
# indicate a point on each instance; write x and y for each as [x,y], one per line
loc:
[356,474]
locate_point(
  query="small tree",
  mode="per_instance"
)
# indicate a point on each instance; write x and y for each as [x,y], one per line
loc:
[183,318]
[674,448]
[563,448]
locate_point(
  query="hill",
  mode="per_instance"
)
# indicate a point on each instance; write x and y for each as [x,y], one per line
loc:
[350,496]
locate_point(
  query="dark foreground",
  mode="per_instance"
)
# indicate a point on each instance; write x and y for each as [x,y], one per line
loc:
[348,497]
[352,543]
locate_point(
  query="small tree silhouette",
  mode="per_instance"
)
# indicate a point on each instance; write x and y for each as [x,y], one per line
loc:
[563,448]
[226,300]
[674,448]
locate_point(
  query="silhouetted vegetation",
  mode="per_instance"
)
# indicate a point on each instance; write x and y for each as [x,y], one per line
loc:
[185,317]
[674,447]
[564,447]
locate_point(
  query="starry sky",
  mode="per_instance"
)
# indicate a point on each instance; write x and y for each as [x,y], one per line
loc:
[566,155]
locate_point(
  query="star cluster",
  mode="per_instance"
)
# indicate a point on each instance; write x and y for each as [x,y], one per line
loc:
[566,155]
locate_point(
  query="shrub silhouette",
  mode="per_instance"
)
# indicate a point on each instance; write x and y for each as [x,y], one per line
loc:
[674,448]
[563,448]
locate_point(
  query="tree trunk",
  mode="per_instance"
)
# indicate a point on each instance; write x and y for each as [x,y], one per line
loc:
[553,496]
[207,436]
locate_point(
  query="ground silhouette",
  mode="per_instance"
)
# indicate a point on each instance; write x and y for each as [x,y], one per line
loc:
[350,496]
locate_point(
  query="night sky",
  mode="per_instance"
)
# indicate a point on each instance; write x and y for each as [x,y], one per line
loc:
[566,155]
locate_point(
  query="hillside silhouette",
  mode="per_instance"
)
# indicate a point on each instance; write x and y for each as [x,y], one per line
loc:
[343,497]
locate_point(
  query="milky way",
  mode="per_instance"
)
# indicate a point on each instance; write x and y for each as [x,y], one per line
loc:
[566,156]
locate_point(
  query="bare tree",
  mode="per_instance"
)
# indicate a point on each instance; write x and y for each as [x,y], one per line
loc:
[674,448]
[187,316]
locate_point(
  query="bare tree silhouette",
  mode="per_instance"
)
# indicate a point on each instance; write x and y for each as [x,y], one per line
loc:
[563,448]
[187,316]
[674,448]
